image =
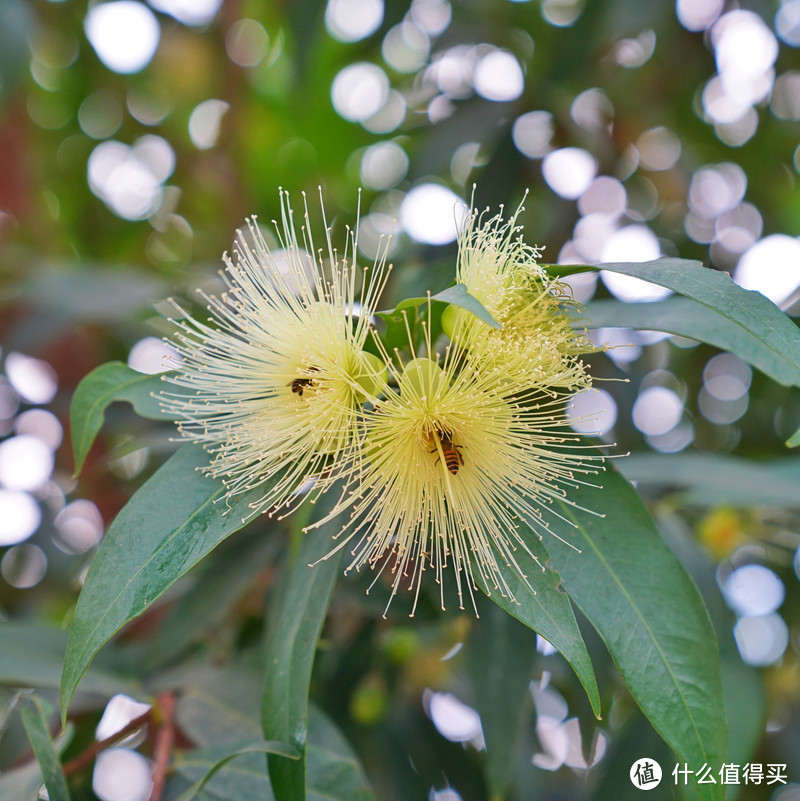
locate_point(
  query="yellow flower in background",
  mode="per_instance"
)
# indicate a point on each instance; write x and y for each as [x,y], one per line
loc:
[537,342]
[279,372]
[459,467]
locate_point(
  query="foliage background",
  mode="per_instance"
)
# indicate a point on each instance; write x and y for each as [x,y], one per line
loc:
[79,280]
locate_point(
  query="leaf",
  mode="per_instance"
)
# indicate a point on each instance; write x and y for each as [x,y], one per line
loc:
[170,524]
[31,655]
[750,311]
[548,612]
[35,723]
[650,614]
[216,710]
[210,598]
[219,762]
[21,784]
[455,295]
[690,319]
[499,657]
[238,776]
[291,646]
[713,479]
[746,702]
[794,440]
[334,772]
[113,381]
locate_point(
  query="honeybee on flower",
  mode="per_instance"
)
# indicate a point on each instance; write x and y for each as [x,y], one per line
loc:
[278,374]
[458,467]
[440,460]
[467,455]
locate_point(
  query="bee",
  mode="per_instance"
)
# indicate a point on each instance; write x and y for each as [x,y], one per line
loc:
[452,456]
[299,384]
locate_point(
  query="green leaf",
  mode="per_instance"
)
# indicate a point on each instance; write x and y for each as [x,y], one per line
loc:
[219,762]
[291,646]
[217,587]
[712,479]
[32,654]
[794,440]
[113,381]
[216,710]
[746,703]
[650,614]
[216,772]
[21,784]
[455,296]
[334,772]
[169,525]
[690,319]
[751,311]
[499,657]
[35,722]
[548,612]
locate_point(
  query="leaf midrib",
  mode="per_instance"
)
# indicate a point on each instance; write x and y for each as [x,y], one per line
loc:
[653,639]
[728,300]
[218,491]
[103,401]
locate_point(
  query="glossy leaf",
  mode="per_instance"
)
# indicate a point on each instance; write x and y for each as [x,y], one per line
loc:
[217,763]
[690,319]
[35,722]
[210,598]
[708,479]
[750,311]
[650,614]
[110,382]
[31,655]
[220,774]
[746,702]
[216,710]
[169,525]
[547,612]
[334,772]
[500,655]
[291,646]
[455,296]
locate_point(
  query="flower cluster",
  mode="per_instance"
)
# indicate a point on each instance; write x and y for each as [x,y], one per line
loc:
[446,453]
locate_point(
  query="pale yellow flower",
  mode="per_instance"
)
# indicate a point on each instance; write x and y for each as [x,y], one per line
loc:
[453,460]
[279,372]
[536,342]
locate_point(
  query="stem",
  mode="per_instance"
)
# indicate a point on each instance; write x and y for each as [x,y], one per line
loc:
[164,741]
[84,759]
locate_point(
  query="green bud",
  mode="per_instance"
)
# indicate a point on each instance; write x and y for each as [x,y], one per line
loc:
[454,318]
[372,376]
[423,377]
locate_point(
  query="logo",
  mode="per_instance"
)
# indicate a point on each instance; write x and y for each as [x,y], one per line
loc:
[645,773]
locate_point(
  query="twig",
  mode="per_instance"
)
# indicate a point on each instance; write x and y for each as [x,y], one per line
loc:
[164,740]
[85,758]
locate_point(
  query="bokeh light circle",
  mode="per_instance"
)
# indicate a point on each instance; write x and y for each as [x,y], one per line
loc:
[124,34]
[359,91]
[432,214]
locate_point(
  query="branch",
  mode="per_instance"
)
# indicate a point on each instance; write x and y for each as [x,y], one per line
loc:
[84,759]
[164,741]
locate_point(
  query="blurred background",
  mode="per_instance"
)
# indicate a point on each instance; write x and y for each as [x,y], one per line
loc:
[135,137]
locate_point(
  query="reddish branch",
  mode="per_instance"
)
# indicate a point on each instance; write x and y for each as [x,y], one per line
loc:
[164,741]
[163,711]
[84,759]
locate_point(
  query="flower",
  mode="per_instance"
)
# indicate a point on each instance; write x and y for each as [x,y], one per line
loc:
[458,464]
[536,341]
[278,374]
